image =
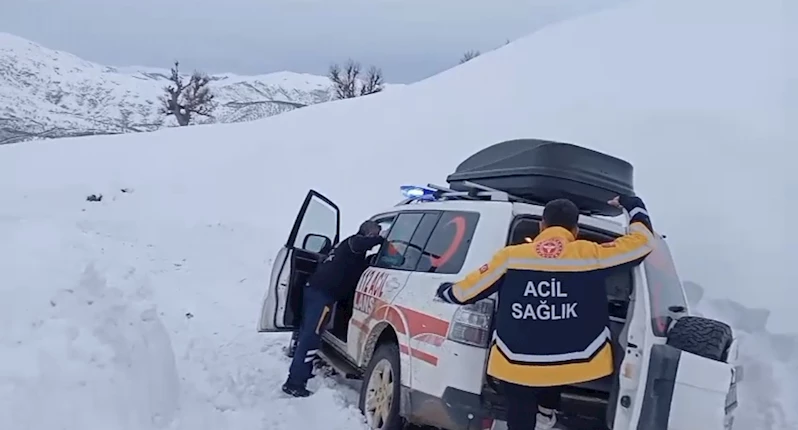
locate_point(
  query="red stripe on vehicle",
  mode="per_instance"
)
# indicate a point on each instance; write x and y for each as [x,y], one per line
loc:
[393,317]
[362,326]
[421,355]
[421,323]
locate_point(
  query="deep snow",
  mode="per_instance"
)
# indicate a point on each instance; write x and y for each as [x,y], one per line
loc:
[138,312]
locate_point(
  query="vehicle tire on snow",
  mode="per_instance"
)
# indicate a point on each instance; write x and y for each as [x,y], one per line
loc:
[380,392]
[701,336]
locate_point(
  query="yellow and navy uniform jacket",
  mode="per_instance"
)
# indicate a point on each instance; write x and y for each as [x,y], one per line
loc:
[552,317]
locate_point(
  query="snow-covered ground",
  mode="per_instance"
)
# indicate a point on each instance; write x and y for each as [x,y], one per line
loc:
[138,312]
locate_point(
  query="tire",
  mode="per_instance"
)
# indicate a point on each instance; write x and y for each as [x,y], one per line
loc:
[701,336]
[385,357]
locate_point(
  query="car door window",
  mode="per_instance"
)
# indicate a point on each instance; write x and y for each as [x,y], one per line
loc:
[415,248]
[664,286]
[385,222]
[320,220]
[448,246]
[391,254]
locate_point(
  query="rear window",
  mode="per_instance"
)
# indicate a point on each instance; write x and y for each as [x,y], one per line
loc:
[447,247]
[664,286]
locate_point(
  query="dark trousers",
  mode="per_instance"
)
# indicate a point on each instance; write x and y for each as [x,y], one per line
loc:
[316,309]
[523,402]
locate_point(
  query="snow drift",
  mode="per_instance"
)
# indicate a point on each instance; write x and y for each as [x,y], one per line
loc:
[166,272]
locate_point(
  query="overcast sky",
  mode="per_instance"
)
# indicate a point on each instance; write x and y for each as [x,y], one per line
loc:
[408,39]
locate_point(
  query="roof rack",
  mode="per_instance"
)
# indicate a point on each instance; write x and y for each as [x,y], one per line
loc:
[474,191]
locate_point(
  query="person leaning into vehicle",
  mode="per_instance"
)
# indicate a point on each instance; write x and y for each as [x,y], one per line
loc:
[331,282]
[291,347]
[552,317]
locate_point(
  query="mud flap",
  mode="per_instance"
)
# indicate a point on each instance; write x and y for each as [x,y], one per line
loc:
[685,391]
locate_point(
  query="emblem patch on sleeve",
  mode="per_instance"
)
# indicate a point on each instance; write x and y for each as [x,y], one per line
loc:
[550,248]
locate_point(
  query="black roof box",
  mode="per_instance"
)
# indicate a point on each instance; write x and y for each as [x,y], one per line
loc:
[541,171]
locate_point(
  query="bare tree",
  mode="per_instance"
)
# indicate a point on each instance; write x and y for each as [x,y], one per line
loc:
[468,56]
[125,121]
[348,84]
[185,99]
[373,82]
[345,81]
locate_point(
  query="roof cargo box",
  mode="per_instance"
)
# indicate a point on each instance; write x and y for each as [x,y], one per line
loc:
[542,171]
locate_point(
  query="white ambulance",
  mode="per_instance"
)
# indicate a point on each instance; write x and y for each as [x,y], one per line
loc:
[423,361]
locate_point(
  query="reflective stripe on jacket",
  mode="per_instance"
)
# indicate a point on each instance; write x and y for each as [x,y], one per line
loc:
[552,317]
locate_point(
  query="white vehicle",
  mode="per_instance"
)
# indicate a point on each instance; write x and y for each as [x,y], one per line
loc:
[423,361]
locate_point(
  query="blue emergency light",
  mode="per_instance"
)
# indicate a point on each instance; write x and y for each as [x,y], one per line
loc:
[418,193]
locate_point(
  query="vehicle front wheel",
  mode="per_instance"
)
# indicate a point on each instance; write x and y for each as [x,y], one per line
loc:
[379,394]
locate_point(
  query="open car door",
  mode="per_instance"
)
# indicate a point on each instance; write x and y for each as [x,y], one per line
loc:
[690,382]
[685,382]
[315,232]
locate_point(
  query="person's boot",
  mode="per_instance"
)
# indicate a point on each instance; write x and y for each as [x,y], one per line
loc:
[546,419]
[295,391]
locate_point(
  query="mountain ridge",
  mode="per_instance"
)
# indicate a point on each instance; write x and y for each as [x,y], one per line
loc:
[46,93]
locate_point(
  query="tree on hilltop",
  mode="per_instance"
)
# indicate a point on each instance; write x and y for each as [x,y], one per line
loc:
[468,56]
[186,99]
[347,81]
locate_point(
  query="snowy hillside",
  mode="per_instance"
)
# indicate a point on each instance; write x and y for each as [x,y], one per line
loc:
[47,93]
[138,312]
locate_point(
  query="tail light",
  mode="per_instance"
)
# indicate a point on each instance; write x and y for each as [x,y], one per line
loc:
[471,324]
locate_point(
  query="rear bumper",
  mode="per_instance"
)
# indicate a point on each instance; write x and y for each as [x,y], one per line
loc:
[455,410]
[462,410]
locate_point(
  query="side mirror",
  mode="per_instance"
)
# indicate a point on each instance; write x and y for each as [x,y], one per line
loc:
[317,243]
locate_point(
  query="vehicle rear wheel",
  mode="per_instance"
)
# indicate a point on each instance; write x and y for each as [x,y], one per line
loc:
[701,336]
[379,394]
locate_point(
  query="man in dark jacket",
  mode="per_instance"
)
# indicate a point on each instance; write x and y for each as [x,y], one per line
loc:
[332,281]
[552,317]
[291,347]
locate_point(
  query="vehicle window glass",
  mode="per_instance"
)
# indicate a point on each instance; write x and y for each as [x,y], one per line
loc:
[385,222]
[319,219]
[415,249]
[523,231]
[664,286]
[448,246]
[391,254]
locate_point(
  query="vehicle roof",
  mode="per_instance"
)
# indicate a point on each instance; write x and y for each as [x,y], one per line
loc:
[615,225]
[462,205]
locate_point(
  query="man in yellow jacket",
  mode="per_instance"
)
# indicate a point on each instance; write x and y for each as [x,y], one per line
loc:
[552,317]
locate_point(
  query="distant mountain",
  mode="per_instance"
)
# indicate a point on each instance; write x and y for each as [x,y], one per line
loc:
[46,93]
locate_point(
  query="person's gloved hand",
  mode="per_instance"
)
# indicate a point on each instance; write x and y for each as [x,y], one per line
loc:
[627,202]
[441,289]
[635,207]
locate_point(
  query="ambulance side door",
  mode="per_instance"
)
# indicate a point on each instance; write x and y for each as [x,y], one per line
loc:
[386,276]
[315,232]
